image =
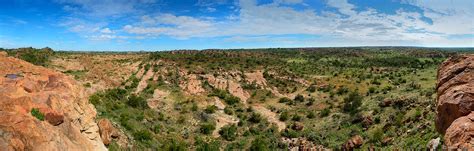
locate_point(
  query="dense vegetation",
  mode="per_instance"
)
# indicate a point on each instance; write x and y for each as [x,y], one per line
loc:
[325,96]
[32,55]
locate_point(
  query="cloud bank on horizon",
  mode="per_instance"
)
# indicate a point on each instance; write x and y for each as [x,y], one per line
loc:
[201,24]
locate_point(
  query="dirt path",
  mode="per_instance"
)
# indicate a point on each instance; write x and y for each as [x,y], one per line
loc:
[271,116]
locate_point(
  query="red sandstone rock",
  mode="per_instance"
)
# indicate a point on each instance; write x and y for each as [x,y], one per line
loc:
[54,118]
[107,131]
[455,116]
[460,134]
[455,90]
[353,143]
[69,117]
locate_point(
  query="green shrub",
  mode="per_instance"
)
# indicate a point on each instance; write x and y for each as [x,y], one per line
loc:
[210,109]
[228,110]
[229,132]
[36,113]
[311,88]
[207,128]
[325,112]
[352,102]
[201,145]
[231,100]
[174,145]
[259,144]
[290,133]
[284,116]
[284,100]
[255,118]
[342,90]
[310,115]
[299,98]
[137,102]
[376,135]
[296,117]
[142,135]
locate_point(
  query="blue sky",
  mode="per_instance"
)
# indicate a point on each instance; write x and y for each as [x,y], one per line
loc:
[124,25]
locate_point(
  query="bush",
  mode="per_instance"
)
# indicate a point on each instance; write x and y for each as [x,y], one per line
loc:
[229,132]
[228,110]
[311,88]
[231,100]
[376,135]
[284,100]
[255,118]
[352,102]
[342,90]
[259,144]
[284,116]
[372,90]
[296,117]
[325,112]
[290,133]
[142,135]
[201,145]
[299,98]
[310,115]
[174,145]
[210,109]
[207,128]
[36,113]
[137,102]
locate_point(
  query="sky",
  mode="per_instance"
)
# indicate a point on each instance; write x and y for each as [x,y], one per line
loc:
[153,25]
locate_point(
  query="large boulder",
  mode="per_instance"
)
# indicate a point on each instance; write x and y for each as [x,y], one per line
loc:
[353,143]
[461,133]
[109,133]
[41,109]
[455,91]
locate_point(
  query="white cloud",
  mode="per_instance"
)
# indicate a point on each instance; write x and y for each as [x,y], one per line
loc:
[448,16]
[181,27]
[343,6]
[106,31]
[258,22]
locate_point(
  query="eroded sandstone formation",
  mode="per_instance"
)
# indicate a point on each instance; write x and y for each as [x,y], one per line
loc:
[455,117]
[67,121]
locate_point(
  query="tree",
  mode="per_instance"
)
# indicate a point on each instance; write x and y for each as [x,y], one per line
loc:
[352,102]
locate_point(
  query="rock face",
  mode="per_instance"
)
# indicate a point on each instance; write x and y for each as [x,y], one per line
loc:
[455,91]
[69,122]
[461,133]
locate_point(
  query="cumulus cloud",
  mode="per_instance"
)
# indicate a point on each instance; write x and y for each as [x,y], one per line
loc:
[436,24]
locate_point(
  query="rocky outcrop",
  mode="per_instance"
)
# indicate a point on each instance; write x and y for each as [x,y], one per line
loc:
[109,133]
[353,143]
[63,119]
[461,133]
[456,101]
